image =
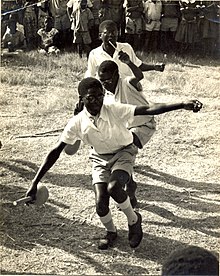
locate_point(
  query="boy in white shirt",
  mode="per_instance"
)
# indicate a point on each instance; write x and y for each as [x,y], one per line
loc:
[112,155]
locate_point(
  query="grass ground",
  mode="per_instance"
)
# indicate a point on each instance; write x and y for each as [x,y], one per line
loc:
[177,172]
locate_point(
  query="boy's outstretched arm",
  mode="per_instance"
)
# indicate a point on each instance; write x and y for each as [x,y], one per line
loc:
[49,161]
[160,108]
[150,67]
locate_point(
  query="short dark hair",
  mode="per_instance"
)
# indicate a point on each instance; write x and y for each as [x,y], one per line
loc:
[88,83]
[106,24]
[191,260]
[108,66]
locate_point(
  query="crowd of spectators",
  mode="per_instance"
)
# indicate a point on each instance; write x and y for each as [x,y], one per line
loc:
[148,25]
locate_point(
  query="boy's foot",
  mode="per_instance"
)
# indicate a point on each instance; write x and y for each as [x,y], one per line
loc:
[135,234]
[107,241]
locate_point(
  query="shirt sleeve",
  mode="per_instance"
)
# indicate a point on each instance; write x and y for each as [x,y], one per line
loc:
[137,89]
[91,69]
[123,111]
[69,134]
[133,56]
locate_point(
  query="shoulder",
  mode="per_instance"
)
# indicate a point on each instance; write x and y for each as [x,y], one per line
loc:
[118,108]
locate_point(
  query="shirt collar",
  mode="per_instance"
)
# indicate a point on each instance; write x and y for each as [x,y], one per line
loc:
[102,114]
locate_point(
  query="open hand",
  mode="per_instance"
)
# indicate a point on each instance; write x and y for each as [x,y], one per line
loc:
[193,105]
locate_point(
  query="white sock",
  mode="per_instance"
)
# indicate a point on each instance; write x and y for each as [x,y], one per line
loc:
[108,222]
[128,211]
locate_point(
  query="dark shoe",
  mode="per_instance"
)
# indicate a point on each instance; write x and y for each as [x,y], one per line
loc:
[135,234]
[107,241]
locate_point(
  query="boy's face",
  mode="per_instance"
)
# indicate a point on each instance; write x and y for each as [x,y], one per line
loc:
[109,80]
[93,100]
[109,33]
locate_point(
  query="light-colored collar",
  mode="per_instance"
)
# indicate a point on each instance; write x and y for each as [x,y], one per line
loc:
[101,115]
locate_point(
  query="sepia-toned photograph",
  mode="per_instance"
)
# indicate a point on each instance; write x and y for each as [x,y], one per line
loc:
[110,137]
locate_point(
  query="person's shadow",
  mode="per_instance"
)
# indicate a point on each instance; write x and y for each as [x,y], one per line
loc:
[28,227]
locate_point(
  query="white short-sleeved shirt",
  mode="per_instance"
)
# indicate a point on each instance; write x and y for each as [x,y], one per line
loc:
[98,55]
[153,10]
[128,94]
[108,134]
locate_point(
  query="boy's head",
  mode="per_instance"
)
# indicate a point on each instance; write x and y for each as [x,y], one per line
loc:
[108,31]
[83,4]
[108,75]
[91,93]
[191,260]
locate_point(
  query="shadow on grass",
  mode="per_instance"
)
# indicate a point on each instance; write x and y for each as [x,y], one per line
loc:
[145,193]
[32,230]
[25,228]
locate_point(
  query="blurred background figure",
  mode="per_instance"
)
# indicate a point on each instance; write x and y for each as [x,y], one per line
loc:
[58,10]
[13,39]
[43,12]
[113,10]
[49,37]
[170,17]
[30,24]
[82,21]
[191,260]
[134,20]
[94,31]
[209,27]
[187,33]
[152,15]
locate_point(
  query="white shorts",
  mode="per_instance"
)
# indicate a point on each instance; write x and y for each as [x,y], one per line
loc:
[104,164]
[152,26]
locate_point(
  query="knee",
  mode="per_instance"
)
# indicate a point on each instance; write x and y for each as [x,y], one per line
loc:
[113,187]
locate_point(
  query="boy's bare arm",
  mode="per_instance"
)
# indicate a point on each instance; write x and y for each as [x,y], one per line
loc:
[49,161]
[149,67]
[160,108]
[138,74]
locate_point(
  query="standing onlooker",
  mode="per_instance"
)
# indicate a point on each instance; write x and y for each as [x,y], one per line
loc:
[31,24]
[61,21]
[187,33]
[113,10]
[82,21]
[169,23]
[94,31]
[209,27]
[134,22]
[152,15]
[43,12]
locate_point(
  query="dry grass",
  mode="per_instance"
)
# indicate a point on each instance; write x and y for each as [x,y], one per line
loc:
[177,172]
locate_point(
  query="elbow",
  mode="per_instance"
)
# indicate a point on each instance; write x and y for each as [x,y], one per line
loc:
[141,76]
